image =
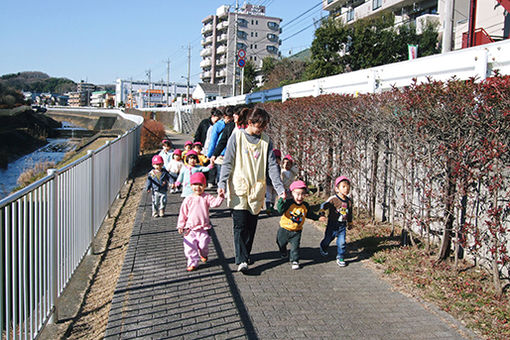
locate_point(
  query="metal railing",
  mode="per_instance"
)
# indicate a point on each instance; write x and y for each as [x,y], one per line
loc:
[48,227]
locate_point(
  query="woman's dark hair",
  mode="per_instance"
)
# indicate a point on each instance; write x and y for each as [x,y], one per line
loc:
[257,116]
[229,111]
[216,112]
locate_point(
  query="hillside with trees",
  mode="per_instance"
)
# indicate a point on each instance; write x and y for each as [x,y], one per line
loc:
[37,82]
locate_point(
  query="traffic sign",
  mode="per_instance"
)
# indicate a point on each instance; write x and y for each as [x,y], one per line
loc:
[241,62]
[241,53]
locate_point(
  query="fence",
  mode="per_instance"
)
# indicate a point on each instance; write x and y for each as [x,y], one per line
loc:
[48,227]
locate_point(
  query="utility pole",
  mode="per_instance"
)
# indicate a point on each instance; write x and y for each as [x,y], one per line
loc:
[189,66]
[448,27]
[167,79]
[148,73]
[131,92]
[234,69]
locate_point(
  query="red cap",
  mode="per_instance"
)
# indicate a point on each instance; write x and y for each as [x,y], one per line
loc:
[188,142]
[197,178]
[341,178]
[277,153]
[178,152]
[198,143]
[157,160]
[191,152]
[297,185]
[289,157]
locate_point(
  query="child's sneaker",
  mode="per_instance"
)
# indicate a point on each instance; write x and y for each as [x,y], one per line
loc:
[295,265]
[154,214]
[340,262]
[161,213]
[191,268]
[243,267]
[284,254]
[322,251]
[203,259]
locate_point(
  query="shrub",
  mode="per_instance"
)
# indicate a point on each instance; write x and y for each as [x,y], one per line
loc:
[152,134]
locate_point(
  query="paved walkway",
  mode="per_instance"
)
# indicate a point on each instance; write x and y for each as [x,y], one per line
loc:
[157,298]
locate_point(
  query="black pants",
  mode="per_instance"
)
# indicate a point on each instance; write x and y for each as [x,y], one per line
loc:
[245,225]
[284,236]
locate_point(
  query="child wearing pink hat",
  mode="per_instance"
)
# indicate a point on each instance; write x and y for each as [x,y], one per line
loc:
[174,168]
[289,172]
[194,221]
[157,183]
[294,212]
[190,167]
[339,207]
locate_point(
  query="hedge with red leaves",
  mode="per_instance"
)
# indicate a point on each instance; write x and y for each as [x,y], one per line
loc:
[434,156]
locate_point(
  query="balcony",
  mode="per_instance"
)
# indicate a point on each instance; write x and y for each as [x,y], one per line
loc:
[207,28]
[221,74]
[222,25]
[205,63]
[221,62]
[206,52]
[273,25]
[272,49]
[205,75]
[221,49]
[272,37]
[222,37]
[207,41]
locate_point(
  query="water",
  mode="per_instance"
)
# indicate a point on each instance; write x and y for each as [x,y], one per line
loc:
[54,152]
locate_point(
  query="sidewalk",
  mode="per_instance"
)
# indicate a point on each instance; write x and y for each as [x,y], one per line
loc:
[157,298]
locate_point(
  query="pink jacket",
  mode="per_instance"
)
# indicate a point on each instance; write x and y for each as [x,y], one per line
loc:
[194,213]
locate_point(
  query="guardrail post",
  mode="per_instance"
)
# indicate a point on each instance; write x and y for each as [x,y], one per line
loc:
[109,176]
[481,60]
[90,153]
[54,242]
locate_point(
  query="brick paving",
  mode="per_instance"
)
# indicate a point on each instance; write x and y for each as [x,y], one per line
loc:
[156,298]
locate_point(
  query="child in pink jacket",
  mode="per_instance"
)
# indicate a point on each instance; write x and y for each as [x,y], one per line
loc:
[194,221]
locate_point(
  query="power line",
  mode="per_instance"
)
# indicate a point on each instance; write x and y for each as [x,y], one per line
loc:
[299,16]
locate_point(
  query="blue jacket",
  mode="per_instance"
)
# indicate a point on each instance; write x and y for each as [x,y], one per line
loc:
[215,136]
[158,184]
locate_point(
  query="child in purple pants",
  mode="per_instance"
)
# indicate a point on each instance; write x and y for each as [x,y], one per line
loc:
[194,221]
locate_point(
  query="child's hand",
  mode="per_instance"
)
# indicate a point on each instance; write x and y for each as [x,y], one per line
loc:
[211,160]
[323,219]
[221,193]
[349,226]
[180,230]
[148,190]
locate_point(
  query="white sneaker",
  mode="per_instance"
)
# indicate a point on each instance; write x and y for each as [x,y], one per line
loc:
[243,267]
[295,265]
[340,262]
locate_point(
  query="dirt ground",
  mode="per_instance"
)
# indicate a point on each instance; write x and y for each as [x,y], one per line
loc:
[84,306]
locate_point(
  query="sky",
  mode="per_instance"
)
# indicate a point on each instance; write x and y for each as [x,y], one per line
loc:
[99,41]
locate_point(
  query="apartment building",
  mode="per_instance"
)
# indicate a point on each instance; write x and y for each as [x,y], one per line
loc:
[490,15]
[255,33]
[78,99]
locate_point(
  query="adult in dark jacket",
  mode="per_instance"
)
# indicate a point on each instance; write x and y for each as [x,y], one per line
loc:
[201,133]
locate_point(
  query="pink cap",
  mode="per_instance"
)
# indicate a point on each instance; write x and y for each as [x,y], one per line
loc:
[289,157]
[191,152]
[297,185]
[197,178]
[157,160]
[178,152]
[198,143]
[341,178]
[188,142]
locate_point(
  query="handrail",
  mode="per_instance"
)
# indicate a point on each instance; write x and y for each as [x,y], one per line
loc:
[48,227]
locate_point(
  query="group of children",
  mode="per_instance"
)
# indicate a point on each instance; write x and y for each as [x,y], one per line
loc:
[176,169]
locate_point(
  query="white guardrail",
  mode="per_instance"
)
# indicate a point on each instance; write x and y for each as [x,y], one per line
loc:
[478,61]
[48,227]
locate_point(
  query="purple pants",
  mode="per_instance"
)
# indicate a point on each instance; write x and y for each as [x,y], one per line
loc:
[196,244]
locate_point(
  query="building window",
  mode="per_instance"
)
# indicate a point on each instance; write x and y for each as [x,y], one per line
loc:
[350,14]
[272,37]
[255,58]
[251,46]
[255,46]
[251,35]
[256,34]
[241,46]
[271,49]
[272,25]
[252,21]
[242,35]
[376,4]
[242,22]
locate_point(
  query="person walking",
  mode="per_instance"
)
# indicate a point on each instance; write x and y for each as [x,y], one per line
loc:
[248,158]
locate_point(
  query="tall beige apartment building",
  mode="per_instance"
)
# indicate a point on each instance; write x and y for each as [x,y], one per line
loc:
[222,39]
